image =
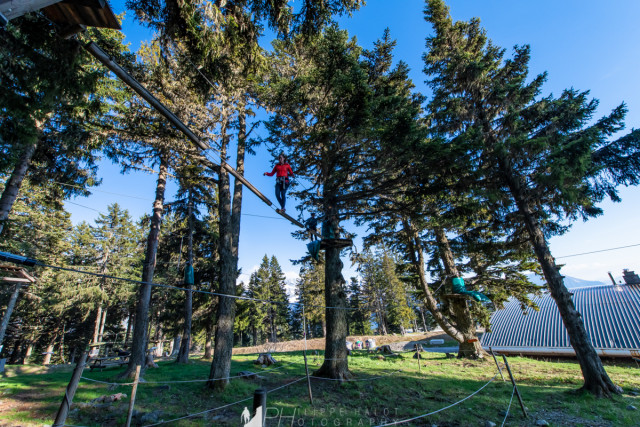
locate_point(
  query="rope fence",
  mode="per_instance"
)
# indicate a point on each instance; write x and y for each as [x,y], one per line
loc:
[188,381]
[513,392]
[223,406]
[441,409]
[301,378]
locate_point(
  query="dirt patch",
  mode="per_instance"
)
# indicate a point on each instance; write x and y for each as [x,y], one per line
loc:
[15,370]
[318,343]
[559,418]
[29,402]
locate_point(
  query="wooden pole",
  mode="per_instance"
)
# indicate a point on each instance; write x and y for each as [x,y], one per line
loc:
[260,401]
[513,381]
[101,56]
[497,364]
[63,411]
[306,367]
[418,354]
[133,396]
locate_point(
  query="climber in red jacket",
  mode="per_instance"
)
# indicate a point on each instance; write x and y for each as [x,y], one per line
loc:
[283,171]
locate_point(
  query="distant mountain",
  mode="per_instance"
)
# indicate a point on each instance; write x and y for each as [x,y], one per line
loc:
[569,282]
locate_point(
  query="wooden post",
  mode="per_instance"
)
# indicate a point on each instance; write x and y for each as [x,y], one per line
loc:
[513,381]
[260,401]
[497,364]
[418,353]
[63,411]
[306,367]
[133,396]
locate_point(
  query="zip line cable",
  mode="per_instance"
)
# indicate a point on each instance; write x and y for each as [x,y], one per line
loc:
[30,262]
[103,191]
[598,251]
[82,206]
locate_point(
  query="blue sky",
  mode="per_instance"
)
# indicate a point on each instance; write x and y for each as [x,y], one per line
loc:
[588,45]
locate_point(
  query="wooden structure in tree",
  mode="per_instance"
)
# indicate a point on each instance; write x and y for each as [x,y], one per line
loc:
[336,243]
[71,14]
[12,274]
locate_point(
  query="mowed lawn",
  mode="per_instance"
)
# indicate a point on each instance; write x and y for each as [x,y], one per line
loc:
[386,390]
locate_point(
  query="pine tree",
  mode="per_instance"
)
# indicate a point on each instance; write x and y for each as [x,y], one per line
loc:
[310,293]
[38,228]
[541,160]
[53,105]
[347,117]
[359,316]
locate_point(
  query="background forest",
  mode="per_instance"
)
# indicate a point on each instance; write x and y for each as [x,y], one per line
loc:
[471,181]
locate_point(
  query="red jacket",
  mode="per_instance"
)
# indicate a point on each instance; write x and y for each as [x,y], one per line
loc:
[281,170]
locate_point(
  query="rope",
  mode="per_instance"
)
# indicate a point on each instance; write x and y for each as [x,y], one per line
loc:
[104,382]
[223,406]
[441,409]
[189,381]
[200,413]
[140,282]
[356,379]
[508,407]
[286,385]
[216,379]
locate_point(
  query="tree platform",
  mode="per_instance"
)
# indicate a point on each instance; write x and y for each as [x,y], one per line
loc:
[335,243]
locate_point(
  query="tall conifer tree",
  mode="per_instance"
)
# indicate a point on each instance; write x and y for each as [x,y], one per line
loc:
[539,159]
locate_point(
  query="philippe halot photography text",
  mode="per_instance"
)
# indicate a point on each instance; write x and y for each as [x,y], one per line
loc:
[329,416]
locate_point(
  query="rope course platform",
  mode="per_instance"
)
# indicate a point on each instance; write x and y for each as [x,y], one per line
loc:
[335,243]
[16,275]
[459,296]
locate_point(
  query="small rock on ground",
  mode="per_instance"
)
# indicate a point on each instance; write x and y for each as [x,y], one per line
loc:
[632,408]
[151,417]
[489,424]
[542,423]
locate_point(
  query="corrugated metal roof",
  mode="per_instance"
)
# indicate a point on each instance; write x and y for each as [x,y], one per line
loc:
[611,315]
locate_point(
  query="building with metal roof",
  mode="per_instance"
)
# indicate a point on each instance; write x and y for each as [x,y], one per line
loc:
[611,315]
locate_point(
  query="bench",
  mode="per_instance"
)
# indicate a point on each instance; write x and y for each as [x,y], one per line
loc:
[105,362]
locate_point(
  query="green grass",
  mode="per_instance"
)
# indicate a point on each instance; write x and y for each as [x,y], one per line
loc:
[547,388]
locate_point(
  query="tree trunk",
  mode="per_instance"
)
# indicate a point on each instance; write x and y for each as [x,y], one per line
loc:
[61,347]
[417,259]
[274,335]
[139,344]
[255,336]
[208,341]
[470,346]
[160,344]
[335,364]
[229,234]
[12,187]
[183,355]
[9,310]
[27,354]
[129,325]
[424,321]
[102,323]
[96,325]
[15,354]
[49,351]
[596,379]
[176,345]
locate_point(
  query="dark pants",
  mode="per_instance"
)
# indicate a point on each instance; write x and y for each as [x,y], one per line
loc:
[281,192]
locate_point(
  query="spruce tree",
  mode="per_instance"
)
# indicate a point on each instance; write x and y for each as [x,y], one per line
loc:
[52,108]
[541,159]
[347,116]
